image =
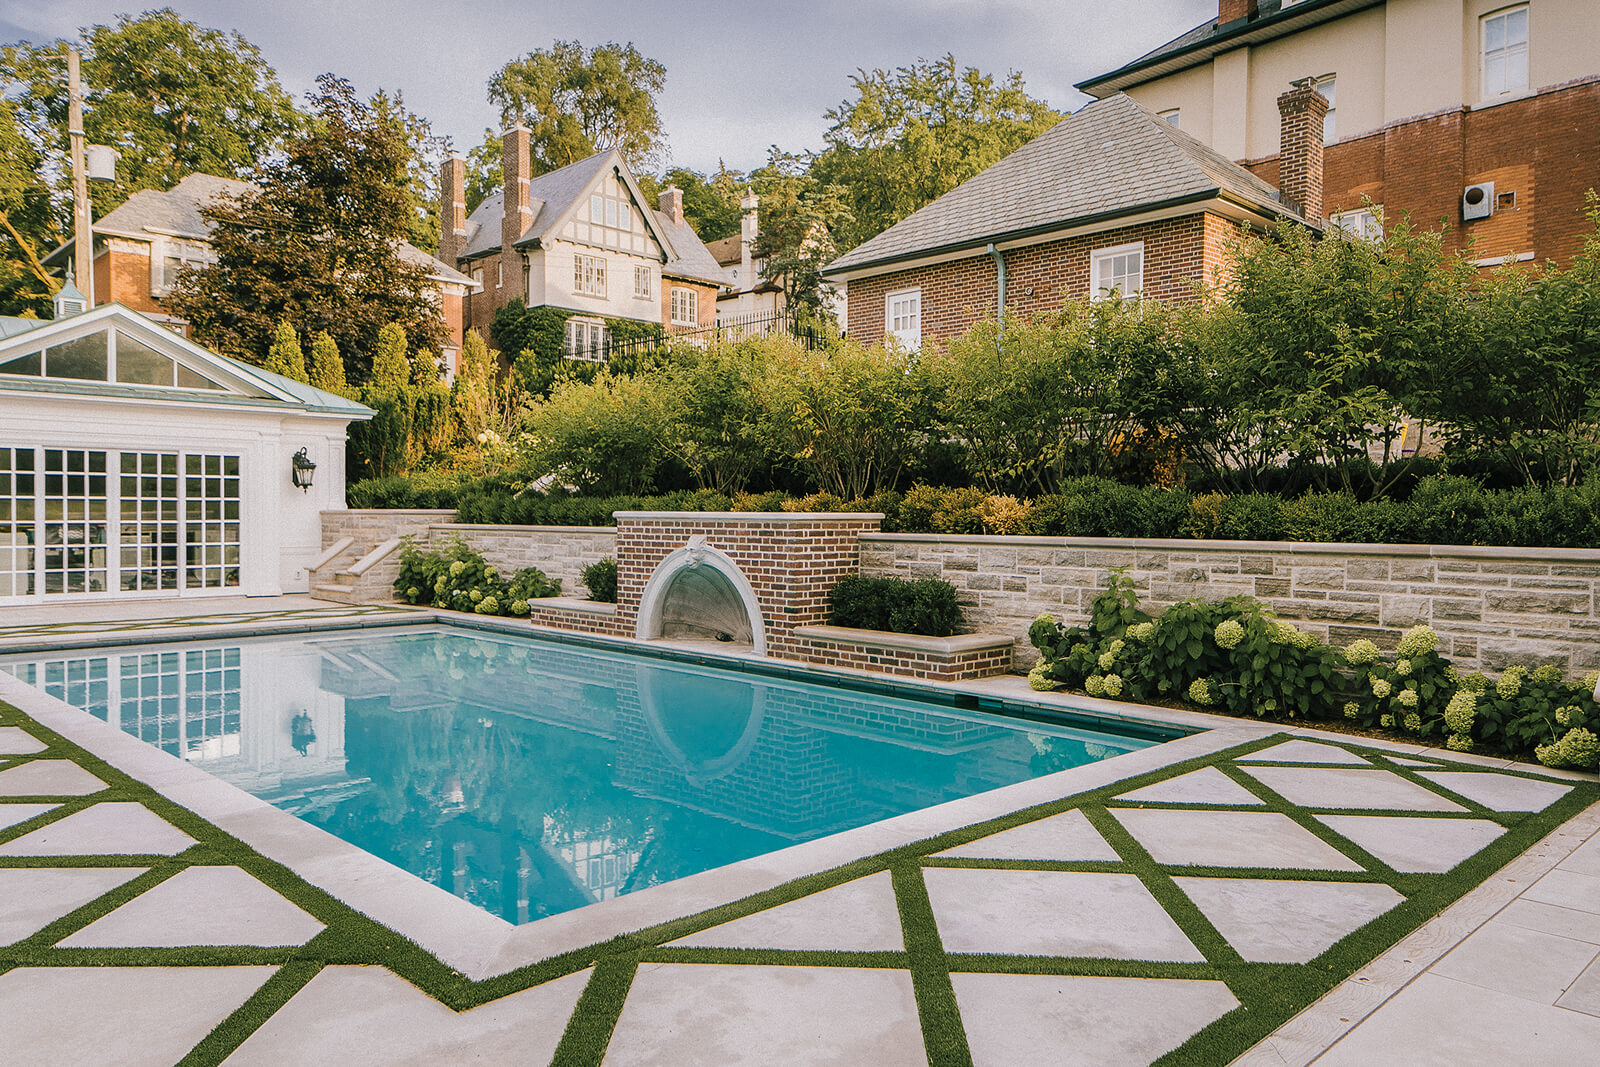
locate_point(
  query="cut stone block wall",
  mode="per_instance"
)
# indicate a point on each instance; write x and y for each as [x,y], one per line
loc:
[1492,607]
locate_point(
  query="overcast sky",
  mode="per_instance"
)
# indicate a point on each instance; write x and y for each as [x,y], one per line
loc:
[740,77]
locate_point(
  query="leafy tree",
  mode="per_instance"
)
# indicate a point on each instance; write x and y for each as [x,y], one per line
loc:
[470,393]
[577,101]
[913,134]
[285,356]
[603,436]
[426,152]
[485,165]
[327,365]
[713,412]
[28,227]
[710,203]
[174,97]
[799,216]
[317,244]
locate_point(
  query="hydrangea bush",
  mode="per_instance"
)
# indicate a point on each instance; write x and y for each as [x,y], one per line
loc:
[453,576]
[1234,656]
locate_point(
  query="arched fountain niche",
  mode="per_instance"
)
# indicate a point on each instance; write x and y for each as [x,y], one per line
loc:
[698,593]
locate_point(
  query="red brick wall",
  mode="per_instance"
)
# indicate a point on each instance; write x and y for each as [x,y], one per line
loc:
[955,667]
[125,278]
[705,304]
[790,563]
[1178,253]
[1545,148]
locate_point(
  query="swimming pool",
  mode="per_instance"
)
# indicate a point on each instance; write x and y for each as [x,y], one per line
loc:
[532,777]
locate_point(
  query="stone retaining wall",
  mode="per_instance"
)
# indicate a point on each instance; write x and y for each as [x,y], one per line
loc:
[560,551]
[1493,607]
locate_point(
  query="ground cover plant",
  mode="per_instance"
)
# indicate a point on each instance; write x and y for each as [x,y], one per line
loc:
[1234,656]
[454,576]
[1269,993]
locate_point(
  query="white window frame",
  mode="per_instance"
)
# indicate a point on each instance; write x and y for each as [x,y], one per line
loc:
[1328,86]
[597,209]
[643,289]
[589,275]
[685,306]
[1172,115]
[499,273]
[1508,50]
[1098,291]
[904,324]
[1364,223]
[585,339]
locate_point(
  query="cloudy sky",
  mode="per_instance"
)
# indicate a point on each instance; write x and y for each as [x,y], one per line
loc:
[740,77]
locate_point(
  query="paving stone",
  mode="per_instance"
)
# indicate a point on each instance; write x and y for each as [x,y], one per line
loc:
[32,898]
[1271,921]
[1416,846]
[1231,839]
[15,741]
[1438,1021]
[1586,860]
[859,916]
[1053,913]
[1304,752]
[369,1015]
[112,829]
[679,1014]
[1066,838]
[1339,787]
[1205,786]
[1513,959]
[201,906]
[1552,919]
[1056,1021]
[1584,994]
[1412,762]
[1567,889]
[48,778]
[133,1016]
[1497,792]
[12,814]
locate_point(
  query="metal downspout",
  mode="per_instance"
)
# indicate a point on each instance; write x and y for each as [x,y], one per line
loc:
[1000,286]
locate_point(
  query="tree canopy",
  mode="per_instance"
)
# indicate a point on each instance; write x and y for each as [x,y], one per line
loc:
[317,245]
[577,101]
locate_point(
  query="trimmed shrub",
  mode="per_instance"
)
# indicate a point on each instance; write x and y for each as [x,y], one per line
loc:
[454,576]
[600,578]
[924,606]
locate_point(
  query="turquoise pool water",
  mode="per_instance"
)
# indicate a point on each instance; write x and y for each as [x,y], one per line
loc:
[531,777]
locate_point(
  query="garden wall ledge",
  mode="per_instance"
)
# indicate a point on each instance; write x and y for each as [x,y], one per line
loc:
[504,528]
[573,603]
[938,646]
[1293,548]
[750,516]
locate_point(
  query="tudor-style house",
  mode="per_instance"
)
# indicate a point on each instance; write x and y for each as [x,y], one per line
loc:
[1113,202]
[1481,113]
[748,296]
[140,246]
[581,239]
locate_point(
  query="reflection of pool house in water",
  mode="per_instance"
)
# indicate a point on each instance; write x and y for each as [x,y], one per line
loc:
[135,463]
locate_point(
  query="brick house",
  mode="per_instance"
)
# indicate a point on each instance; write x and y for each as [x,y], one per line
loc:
[1113,200]
[581,239]
[1483,113]
[140,246]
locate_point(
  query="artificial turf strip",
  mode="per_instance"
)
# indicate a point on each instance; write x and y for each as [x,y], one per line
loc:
[1269,993]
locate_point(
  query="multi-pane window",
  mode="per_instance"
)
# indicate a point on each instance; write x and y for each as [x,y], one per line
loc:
[902,313]
[642,287]
[589,275]
[152,698]
[212,703]
[1505,51]
[85,521]
[1171,115]
[1329,87]
[106,355]
[586,339]
[610,211]
[1117,273]
[1363,223]
[685,307]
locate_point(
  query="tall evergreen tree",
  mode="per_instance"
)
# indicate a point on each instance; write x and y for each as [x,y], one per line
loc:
[285,357]
[327,365]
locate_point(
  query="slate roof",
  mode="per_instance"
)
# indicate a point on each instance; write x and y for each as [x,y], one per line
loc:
[555,193]
[175,212]
[727,251]
[1113,157]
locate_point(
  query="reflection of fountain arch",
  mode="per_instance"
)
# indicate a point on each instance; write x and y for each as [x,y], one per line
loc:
[690,718]
[700,587]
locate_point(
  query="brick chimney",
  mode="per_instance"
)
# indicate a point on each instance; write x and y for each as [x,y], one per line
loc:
[672,204]
[749,229]
[1301,110]
[1235,11]
[452,209]
[516,165]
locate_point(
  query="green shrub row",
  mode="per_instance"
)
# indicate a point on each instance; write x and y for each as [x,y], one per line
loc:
[924,606]
[454,576]
[600,578]
[1441,509]
[1234,656]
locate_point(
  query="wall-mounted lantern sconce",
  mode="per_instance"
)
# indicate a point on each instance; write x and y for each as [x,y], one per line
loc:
[303,470]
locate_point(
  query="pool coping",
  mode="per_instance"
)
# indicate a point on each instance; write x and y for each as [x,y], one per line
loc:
[482,946]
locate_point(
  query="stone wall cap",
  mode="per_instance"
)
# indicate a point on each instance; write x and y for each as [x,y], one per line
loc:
[390,511]
[1297,548]
[755,516]
[948,646]
[606,531]
[572,603]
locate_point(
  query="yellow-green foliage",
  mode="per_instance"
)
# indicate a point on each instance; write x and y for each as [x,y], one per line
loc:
[327,364]
[390,369]
[469,396]
[285,357]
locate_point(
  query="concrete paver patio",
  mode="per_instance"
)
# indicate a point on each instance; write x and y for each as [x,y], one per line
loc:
[1087,935]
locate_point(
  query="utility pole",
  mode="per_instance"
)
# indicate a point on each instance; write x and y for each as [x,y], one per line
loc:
[82,232]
